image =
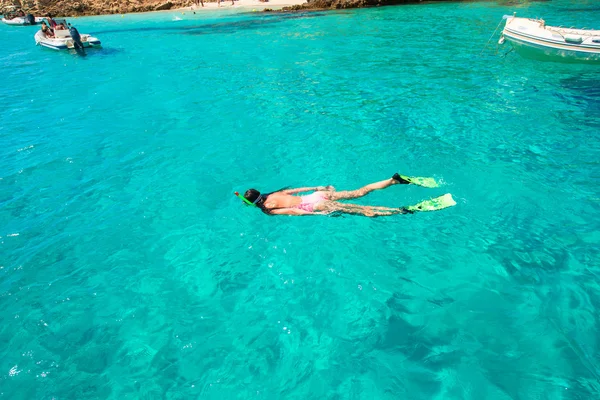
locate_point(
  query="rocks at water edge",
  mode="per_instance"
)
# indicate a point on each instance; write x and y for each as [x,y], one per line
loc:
[341,4]
[166,6]
[66,8]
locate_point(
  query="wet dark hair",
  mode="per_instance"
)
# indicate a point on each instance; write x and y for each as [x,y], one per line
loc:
[252,195]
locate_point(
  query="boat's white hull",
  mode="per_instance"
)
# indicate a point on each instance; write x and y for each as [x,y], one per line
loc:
[544,52]
[65,43]
[21,21]
[531,38]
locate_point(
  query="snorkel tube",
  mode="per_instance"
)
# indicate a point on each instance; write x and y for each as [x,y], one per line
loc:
[245,199]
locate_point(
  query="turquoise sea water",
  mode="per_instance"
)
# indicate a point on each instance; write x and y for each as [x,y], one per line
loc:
[129,270]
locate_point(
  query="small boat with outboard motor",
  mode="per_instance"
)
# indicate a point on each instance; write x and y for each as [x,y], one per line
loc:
[533,38]
[64,36]
[15,16]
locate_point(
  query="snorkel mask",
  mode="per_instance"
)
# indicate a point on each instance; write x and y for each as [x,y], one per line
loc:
[250,203]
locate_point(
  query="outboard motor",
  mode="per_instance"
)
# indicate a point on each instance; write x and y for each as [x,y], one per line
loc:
[76,38]
[29,19]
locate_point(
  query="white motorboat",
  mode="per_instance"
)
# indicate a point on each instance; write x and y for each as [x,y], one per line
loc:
[12,15]
[26,20]
[533,38]
[67,38]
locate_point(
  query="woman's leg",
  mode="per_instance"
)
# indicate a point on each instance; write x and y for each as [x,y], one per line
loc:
[363,191]
[368,211]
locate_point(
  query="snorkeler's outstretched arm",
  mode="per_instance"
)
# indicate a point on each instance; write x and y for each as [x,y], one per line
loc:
[308,189]
[292,211]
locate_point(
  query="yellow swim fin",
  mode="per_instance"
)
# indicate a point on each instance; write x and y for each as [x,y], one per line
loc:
[435,204]
[416,180]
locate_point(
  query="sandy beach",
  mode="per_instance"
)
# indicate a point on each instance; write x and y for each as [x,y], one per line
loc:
[243,4]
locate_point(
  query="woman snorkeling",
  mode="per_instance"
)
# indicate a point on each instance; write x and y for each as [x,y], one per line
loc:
[325,199]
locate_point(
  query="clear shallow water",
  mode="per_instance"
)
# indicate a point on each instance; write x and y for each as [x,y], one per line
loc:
[129,270]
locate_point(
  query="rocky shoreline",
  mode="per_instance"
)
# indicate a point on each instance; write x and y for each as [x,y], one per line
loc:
[69,8]
[342,4]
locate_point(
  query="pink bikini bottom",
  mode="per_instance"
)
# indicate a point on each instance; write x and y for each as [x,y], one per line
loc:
[309,201]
